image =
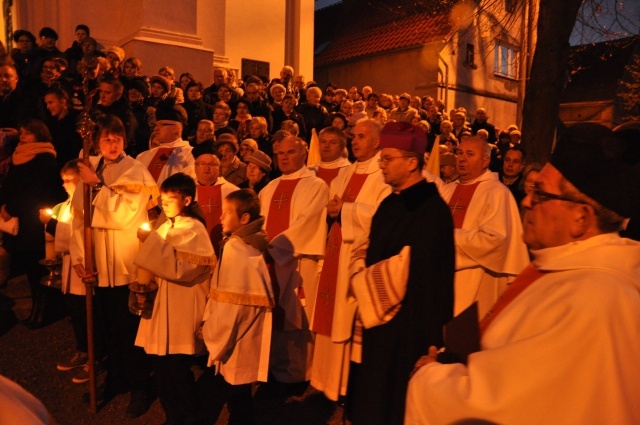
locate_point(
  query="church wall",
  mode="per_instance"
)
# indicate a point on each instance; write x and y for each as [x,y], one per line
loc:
[256,31]
[190,35]
[304,37]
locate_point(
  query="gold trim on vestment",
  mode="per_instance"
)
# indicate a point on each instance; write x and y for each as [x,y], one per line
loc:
[242,299]
[200,260]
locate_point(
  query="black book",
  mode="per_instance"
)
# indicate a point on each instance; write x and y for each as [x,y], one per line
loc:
[461,336]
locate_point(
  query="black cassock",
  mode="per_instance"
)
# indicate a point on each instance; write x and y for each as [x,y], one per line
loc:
[417,217]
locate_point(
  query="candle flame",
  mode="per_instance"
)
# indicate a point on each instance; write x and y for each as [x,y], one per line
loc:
[145,226]
[49,211]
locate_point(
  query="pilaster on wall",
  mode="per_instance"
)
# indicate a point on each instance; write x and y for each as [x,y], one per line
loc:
[158,32]
[189,35]
[158,48]
[167,34]
[299,33]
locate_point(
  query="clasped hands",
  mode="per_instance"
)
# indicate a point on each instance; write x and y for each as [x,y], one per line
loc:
[334,206]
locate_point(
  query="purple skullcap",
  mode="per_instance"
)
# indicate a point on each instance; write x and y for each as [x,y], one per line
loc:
[403,136]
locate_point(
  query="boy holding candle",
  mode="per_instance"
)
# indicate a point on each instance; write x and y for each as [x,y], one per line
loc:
[58,227]
[180,255]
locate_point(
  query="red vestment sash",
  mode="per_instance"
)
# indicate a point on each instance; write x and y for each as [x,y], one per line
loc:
[325,301]
[280,208]
[327,174]
[158,161]
[210,201]
[459,202]
[526,277]
[278,222]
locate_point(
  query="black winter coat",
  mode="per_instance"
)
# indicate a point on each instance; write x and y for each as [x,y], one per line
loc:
[29,187]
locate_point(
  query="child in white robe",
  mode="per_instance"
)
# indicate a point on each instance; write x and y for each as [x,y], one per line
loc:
[180,255]
[237,327]
[122,192]
[58,223]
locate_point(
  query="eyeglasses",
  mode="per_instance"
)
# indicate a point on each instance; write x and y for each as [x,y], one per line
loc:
[387,159]
[539,196]
[207,164]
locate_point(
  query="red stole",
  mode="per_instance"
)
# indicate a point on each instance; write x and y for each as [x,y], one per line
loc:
[526,277]
[158,161]
[327,174]
[325,301]
[280,208]
[459,202]
[278,222]
[210,201]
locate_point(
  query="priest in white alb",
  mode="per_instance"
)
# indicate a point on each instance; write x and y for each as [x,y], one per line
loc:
[173,155]
[487,229]
[211,190]
[355,195]
[561,345]
[294,207]
[332,145]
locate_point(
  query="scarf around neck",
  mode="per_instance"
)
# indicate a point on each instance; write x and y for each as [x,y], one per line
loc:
[25,152]
[252,234]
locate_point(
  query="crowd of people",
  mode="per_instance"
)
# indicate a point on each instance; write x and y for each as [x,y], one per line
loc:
[298,236]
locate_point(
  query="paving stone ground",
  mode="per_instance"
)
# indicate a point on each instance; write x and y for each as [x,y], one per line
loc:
[29,357]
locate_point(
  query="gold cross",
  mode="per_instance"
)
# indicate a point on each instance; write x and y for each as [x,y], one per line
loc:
[209,205]
[281,200]
[456,207]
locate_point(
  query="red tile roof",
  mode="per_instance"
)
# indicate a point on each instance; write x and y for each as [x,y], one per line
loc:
[409,31]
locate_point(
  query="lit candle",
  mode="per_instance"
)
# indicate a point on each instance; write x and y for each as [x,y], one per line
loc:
[143,232]
[49,242]
[49,211]
[144,275]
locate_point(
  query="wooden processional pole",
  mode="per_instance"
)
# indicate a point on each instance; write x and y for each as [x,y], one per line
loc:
[85,128]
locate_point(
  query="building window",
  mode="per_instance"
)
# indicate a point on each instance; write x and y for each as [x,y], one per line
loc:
[510,5]
[471,56]
[506,62]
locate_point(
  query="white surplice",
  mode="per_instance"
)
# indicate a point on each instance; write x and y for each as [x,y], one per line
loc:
[296,252]
[181,257]
[71,283]
[564,351]
[119,208]
[180,161]
[225,189]
[330,370]
[339,163]
[489,247]
[237,328]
